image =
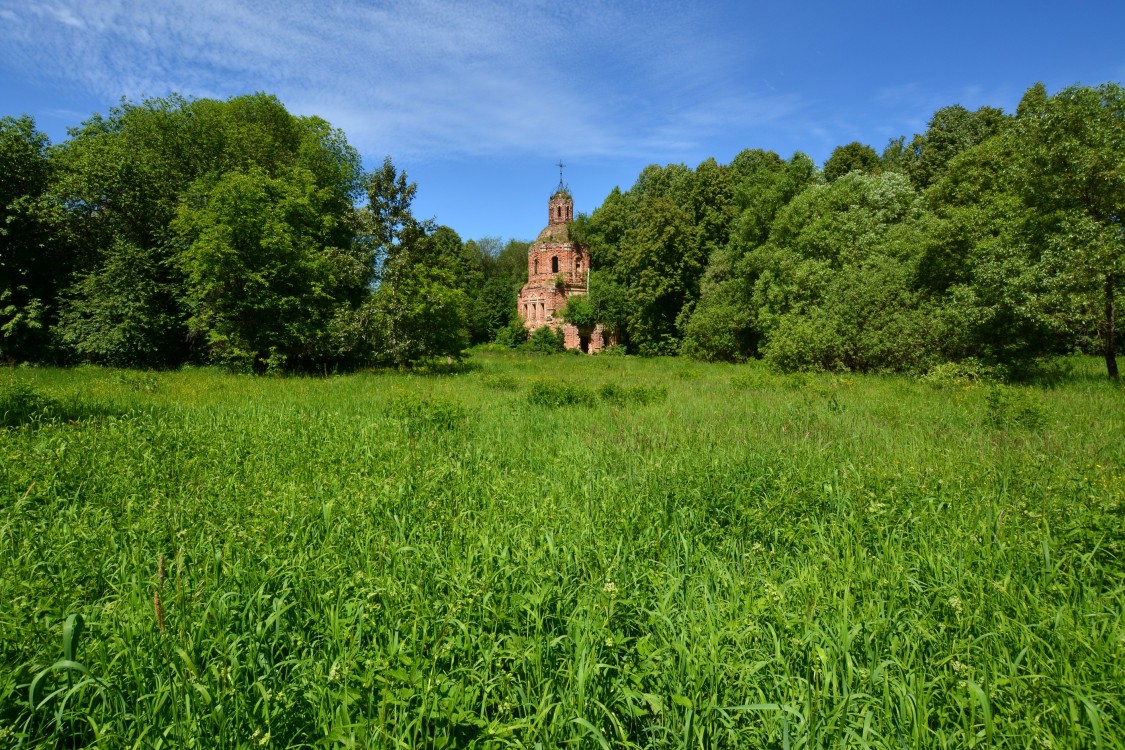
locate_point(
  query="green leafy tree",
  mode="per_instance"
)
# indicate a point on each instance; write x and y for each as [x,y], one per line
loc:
[981,262]
[119,181]
[502,270]
[511,262]
[387,215]
[604,229]
[663,264]
[722,326]
[611,304]
[854,157]
[578,311]
[419,309]
[267,265]
[951,131]
[1072,167]
[494,307]
[30,265]
[835,284]
[124,312]
[418,312]
[713,205]
[764,190]
[896,156]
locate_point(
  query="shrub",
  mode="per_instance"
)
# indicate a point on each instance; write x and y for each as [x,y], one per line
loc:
[138,382]
[804,343]
[21,403]
[502,383]
[545,340]
[958,374]
[553,393]
[513,334]
[755,379]
[619,395]
[428,416]
[664,347]
[579,311]
[1013,407]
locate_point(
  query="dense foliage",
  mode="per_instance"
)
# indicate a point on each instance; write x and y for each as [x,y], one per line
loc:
[990,237]
[561,552]
[197,231]
[28,276]
[224,232]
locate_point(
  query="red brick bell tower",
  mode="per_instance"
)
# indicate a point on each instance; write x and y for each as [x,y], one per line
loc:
[560,208]
[557,268]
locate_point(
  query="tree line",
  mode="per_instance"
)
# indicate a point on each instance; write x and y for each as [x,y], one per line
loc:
[992,238]
[230,232]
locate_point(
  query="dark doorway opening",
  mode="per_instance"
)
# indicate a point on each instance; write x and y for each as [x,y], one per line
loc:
[584,344]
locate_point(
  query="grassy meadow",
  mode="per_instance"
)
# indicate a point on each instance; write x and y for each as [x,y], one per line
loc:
[560,552]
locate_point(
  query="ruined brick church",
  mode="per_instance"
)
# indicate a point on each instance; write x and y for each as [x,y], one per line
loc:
[558,268]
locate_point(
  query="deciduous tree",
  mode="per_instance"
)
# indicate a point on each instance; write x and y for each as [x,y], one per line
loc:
[267,264]
[29,263]
[1073,159]
[854,157]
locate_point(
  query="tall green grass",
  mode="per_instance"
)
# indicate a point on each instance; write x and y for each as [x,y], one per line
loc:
[561,551]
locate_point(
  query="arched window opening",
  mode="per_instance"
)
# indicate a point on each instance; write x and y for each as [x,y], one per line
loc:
[555,264]
[536,265]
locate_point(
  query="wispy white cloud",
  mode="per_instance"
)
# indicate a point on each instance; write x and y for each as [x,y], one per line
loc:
[439,78]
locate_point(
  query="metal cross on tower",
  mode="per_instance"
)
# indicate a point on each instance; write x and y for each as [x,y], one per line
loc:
[562,185]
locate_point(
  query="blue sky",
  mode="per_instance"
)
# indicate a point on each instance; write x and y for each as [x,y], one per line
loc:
[478,100]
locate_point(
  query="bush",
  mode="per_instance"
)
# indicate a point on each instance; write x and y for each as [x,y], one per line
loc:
[513,334]
[804,343]
[619,395]
[665,347]
[959,374]
[1013,407]
[552,394]
[545,340]
[21,403]
[867,320]
[580,312]
[720,329]
[428,416]
[613,350]
[756,379]
[502,383]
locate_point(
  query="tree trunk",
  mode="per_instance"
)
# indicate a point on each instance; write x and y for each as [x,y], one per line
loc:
[1110,338]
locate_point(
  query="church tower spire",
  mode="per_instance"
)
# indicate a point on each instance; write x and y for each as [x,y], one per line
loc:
[560,208]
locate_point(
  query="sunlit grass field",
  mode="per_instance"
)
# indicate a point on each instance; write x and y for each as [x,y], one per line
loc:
[560,551]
